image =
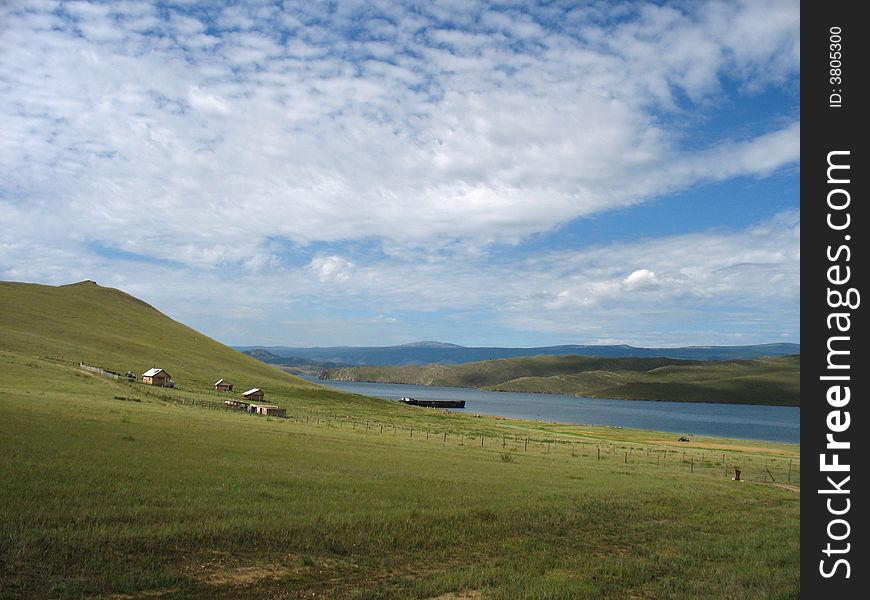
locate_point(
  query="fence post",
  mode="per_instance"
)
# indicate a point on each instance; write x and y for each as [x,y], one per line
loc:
[481,441]
[599,451]
[526,446]
[693,465]
[626,458]
[789,470]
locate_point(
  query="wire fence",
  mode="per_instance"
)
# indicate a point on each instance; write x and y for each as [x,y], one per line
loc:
[629,456]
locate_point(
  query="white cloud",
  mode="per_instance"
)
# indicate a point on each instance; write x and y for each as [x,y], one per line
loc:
[199,141]
[709,287]
[331,268]
[507,130]
[642,278]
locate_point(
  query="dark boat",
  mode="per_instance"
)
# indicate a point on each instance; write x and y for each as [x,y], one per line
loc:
[434,403]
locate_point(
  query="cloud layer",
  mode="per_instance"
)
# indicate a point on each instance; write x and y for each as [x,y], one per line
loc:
[255,140]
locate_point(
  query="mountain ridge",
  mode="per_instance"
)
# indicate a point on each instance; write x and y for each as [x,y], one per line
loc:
[420,353]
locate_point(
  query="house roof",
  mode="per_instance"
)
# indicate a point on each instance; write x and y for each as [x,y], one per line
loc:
[220,381]
[153,372]
[251,391]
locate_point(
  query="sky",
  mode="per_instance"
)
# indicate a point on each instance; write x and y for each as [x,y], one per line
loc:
[375,173]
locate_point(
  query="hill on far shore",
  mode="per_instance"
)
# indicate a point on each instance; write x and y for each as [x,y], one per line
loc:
[424,353]
[769,380]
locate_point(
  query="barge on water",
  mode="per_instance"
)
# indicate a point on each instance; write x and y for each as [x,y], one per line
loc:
[434,403]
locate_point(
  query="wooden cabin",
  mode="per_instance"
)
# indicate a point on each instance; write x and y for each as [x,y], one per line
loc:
[253,395]
[222,385]
[237,404]
[270,410]
[155,376]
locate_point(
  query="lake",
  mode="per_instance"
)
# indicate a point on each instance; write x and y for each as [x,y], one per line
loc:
[741,421]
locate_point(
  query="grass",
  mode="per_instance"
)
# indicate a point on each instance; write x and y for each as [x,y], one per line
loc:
[111,489]
[111,329]
[102,496]
[773,381]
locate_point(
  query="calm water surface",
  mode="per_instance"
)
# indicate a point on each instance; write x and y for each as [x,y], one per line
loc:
[748,422]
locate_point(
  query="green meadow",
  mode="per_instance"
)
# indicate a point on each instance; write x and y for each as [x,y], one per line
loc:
[110,489]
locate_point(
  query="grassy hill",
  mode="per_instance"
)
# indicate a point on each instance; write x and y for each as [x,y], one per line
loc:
[108,328]
[773,381]
[110,489]
[495,372]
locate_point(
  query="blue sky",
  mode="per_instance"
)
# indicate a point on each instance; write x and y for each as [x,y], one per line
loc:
[372,173]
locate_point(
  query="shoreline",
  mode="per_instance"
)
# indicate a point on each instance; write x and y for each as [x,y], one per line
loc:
[652,435]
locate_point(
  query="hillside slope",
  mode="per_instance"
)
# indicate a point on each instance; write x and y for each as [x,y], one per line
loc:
[495,372]
[109,328]
[120,490]
[773,381]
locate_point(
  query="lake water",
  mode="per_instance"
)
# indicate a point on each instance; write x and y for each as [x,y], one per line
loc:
[741,421]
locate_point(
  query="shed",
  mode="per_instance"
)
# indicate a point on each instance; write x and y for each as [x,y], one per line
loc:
[237,404]
[253,394]
[222,385]
[270,410]
[155,376]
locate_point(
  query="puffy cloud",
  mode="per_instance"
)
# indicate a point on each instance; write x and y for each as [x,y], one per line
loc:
[642,278]
[196,143]
[331,268]
[420,126]
[738,286]
[708,287]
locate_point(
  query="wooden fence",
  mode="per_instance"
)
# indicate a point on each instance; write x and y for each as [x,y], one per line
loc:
[99,371]
[623,455]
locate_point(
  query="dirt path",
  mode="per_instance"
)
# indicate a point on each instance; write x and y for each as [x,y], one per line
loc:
[788,486]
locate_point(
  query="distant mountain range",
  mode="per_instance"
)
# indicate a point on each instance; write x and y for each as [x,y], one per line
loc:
[422,353]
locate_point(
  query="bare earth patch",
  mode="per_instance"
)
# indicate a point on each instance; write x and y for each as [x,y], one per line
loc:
[144,594]
[463,595]
[224,570]
[788,486]
[242,576]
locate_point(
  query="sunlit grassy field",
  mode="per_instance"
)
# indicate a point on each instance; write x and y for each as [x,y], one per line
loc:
[107,489]
[111,489]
